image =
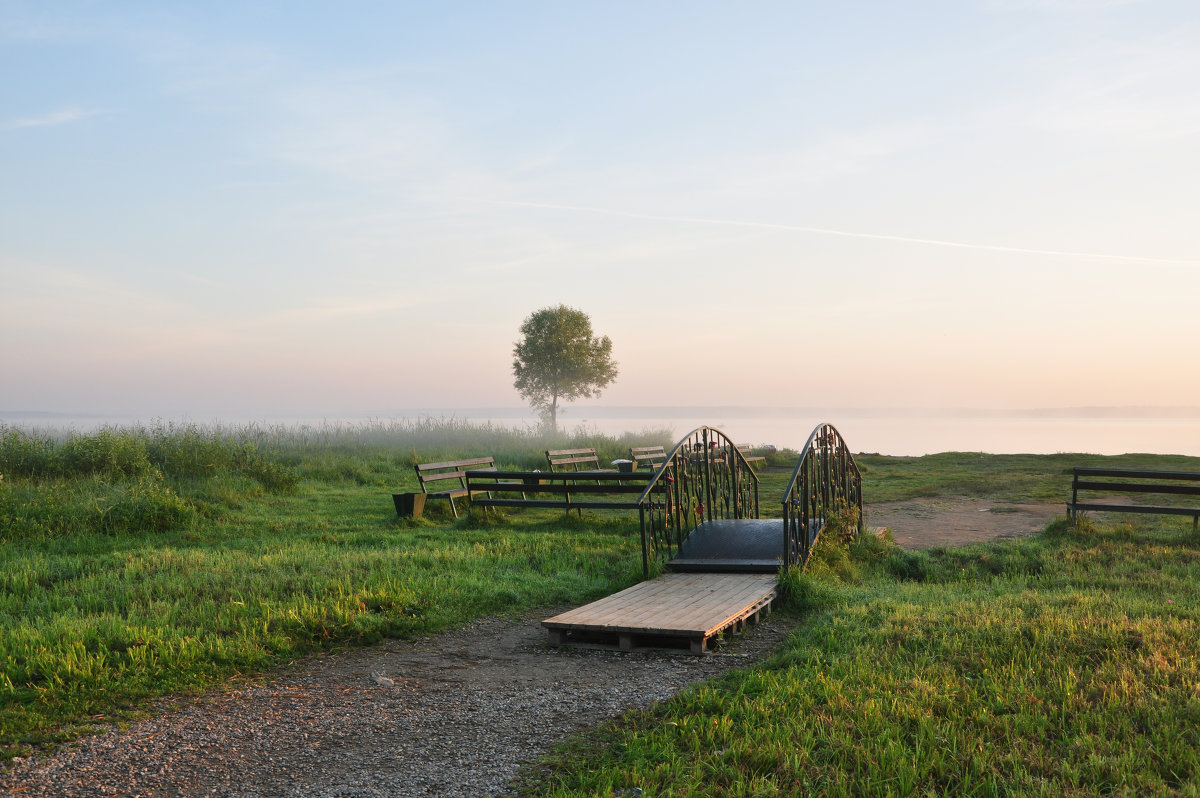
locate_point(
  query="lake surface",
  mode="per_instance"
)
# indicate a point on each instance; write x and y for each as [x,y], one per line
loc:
[908,434]
[917,436]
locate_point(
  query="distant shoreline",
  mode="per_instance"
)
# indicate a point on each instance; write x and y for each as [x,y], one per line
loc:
[575,413]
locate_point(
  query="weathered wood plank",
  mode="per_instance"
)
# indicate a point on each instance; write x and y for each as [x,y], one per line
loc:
[647,599]
[685,605]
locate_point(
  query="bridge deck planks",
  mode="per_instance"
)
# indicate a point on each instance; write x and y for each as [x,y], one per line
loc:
[691,606]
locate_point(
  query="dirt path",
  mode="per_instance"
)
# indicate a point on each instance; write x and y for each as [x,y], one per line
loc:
[453,715]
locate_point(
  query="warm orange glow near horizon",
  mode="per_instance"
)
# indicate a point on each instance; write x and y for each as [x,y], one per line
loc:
[1003,217]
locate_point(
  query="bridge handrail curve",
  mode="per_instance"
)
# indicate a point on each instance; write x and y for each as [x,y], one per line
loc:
[662,469]
[686,490]
[825,474]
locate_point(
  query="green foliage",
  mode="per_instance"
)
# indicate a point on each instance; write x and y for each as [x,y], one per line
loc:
[26,454]
[94,504]
[105,452]
[169,451]
[1064,664]
[1061,664]
[557,359]
[149,561]
[124,481]
[800,591]
[779,458]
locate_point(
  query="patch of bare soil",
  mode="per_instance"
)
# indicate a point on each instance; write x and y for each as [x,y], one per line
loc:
[958,520]
[457,714]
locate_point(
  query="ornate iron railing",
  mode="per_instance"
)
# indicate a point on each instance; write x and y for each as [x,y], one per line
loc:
[826,481]
[703,478]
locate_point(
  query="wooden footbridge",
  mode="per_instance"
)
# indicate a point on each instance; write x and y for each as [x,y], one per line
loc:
[699,516]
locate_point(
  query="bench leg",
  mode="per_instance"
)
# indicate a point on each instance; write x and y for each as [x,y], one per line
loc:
[453,509]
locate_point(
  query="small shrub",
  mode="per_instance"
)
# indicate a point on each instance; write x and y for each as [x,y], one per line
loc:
[105,452]
[275,477]
[146,505]
[842,524]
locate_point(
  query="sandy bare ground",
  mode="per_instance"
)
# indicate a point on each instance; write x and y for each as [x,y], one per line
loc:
[955,521]
[457,714]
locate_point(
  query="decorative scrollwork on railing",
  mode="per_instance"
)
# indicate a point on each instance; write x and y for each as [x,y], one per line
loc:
[703,478]
[825,481]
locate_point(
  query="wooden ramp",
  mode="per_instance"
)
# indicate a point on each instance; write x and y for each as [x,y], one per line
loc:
[672,610]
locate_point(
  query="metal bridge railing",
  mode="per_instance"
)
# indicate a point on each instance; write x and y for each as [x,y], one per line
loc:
[825,481]
[704,477]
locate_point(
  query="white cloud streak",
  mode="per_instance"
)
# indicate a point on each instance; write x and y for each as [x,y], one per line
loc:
[65,116]
[792,228]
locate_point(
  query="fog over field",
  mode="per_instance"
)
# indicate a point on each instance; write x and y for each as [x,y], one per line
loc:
[253,211]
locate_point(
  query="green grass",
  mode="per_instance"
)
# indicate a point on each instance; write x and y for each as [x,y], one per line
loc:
[1060,665]
[151,561]
[164,560]
[1004,477]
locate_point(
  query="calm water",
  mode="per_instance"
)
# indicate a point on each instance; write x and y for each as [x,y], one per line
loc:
[886,435]
[917,436]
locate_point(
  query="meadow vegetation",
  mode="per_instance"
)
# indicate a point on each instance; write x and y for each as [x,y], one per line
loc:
[1064,664]
[149,561]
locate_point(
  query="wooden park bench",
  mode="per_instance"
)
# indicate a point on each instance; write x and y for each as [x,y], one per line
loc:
[604,490]
[437,472]
[577,459]
[1123,480]
[652,456]
[745,449]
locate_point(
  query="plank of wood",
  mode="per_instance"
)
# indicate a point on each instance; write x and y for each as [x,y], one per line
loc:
[670,595]
[711,612]
[644,598]
[676,604]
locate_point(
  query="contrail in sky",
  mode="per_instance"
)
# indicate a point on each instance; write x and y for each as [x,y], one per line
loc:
[843,233]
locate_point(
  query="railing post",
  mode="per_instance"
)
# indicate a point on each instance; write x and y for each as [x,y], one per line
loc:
[645,542]
[708,502]
[1074,493]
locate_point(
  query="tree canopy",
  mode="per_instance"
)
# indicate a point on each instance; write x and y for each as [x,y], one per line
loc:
[558,359]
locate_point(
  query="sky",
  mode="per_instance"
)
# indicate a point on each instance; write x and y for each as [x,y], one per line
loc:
[238,208]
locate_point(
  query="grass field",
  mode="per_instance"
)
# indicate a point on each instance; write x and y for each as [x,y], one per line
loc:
[1061,665]
[165,560]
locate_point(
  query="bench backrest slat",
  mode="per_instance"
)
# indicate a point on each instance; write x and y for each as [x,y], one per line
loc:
[564,457]
[654,455]
[1143,487]
[1129,473]
[452,469]
[455,463]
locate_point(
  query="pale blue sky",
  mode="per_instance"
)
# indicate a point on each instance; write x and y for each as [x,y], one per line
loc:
[309,208]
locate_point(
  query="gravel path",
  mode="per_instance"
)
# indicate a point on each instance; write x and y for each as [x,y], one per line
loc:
[452,715]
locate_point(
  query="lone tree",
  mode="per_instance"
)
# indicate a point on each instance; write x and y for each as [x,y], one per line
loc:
[557,358]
